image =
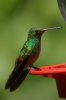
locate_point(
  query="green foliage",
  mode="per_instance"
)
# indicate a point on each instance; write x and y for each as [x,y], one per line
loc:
[16,18]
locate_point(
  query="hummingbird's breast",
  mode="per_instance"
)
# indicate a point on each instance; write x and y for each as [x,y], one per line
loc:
[35,54]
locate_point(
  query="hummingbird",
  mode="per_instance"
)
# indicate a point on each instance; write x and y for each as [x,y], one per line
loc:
[27,56]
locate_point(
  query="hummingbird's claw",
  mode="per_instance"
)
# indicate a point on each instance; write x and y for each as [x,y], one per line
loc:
[35,68]
[32,68]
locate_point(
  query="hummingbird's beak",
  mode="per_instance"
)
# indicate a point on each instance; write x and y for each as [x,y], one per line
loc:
[52,28]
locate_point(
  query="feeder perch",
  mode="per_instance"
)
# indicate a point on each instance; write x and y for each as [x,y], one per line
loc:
[58,72]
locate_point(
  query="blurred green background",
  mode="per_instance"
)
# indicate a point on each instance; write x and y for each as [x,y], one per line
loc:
[16,18]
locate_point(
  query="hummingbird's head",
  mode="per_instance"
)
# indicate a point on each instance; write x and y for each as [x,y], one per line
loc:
[37,32]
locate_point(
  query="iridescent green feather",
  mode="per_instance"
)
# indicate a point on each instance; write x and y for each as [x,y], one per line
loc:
[28,47]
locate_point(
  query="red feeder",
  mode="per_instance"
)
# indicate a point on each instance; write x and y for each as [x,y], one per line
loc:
[58,72]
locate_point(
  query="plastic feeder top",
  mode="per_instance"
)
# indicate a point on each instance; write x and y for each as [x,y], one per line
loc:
[58,72]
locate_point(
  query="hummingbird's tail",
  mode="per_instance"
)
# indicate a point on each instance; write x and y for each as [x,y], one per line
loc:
[15,79]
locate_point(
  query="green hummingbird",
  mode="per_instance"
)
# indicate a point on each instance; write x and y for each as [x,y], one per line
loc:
[28,55]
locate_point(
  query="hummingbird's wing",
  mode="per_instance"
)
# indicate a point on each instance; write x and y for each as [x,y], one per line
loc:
[19,73]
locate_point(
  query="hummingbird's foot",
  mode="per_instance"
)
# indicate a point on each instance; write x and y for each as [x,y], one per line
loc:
[32,68]
[35,68]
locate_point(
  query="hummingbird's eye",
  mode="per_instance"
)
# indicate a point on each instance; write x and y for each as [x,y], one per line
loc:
[37,32]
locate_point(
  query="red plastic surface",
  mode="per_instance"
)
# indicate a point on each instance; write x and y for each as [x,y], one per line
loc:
[58,72]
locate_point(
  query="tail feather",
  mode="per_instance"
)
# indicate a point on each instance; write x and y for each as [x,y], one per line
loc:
[19,73]
[16,79]
[14,75]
